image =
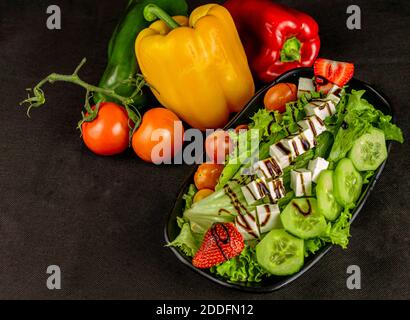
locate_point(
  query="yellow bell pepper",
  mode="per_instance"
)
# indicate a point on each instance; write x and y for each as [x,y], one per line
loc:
[196,67]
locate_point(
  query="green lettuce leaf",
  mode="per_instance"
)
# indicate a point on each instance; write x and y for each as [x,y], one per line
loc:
[358,117]
[391,131]
[189,196]
[186,241]
[218,207]
[337,233]
[265,122]
[313,245]
[242,268]
[367,176]
[324,145]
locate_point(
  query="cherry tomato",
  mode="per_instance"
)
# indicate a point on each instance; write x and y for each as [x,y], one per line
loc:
[241,127]
[202,194]
[159,137]
[279,95]
[207,175]
[218,145]
[107,134]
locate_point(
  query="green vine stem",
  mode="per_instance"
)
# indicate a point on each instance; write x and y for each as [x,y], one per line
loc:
[36,97]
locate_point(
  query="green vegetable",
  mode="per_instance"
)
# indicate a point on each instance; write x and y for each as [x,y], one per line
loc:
[272,127]
[218,207]
[280,253]
[369,151]
[189,196]
[242,268]
[358,117]
[366,176]
[337,233]
[295,111]
[263,124]
[302,218]
[347,183]
[186,241]
[313,245]
[122,68]
[326,202]
[324,145]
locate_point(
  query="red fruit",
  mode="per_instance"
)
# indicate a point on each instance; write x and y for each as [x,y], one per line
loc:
[336,72]
[221,243]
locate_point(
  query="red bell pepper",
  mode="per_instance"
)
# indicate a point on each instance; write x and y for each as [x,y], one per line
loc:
[276,38]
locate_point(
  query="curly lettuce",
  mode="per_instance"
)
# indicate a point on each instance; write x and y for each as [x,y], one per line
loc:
[242,268]
[337,233]
[189,196]
[186,241]
[355,120]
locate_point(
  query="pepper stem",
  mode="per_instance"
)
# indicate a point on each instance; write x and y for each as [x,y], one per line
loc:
[291,50]
[152,12]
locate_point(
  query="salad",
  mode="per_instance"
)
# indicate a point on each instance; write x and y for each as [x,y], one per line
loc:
[319,144]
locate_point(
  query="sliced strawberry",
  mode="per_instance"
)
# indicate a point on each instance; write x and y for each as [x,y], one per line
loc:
[221,243]
[336,72]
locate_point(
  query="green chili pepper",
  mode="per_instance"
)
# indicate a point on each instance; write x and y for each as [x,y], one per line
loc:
[122,68]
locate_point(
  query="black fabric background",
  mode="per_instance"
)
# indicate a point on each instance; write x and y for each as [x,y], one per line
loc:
[101,219]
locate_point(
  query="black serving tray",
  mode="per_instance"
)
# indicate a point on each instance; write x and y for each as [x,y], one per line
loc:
[274,282]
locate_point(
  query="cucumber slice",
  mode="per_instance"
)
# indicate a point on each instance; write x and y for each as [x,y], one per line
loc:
[347,183]
[369,151]
[326,202]
[280,253]
[302,218]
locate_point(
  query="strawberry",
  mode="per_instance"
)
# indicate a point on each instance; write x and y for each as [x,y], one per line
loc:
[336,72]
[221,243]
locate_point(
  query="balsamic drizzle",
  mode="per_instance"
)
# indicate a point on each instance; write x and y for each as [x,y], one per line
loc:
[218,239]
[304,213]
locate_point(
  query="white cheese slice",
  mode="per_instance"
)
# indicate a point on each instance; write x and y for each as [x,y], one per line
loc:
[252,192]
[275,189]
[314,123]
[295,145]
[268,217]
[320,108]
[301,182]
[308,139]
[336,90]
[316,166]
[248,226]
[305,86]
[281,154]
[334,98]
[268,168]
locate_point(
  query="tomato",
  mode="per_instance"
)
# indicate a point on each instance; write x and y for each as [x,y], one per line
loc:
[207,175]
[279,95]
[241,127]
[107,134]
[202,194]
[159,137]
[218,145]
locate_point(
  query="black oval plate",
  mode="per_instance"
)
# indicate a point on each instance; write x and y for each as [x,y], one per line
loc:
[273,283]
